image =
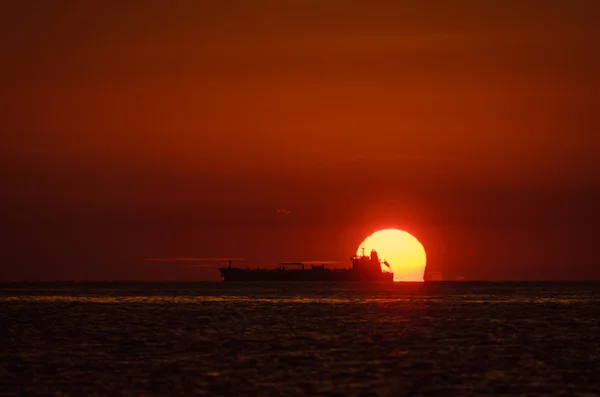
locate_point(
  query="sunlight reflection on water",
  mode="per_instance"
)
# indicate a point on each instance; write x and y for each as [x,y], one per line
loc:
[303,339]
[277,300]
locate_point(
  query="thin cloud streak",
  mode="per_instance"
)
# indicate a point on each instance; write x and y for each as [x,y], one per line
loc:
[190,259]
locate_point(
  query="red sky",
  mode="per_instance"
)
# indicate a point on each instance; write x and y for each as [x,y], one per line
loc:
[152,128]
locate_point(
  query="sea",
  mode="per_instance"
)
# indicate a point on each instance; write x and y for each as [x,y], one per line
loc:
[300,339]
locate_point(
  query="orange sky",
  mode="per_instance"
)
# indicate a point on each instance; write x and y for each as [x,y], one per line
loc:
[184,126]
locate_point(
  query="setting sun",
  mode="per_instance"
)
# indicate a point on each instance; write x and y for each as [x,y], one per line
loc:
[401,250]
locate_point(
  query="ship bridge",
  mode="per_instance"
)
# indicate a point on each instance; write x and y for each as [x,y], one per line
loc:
[368,264]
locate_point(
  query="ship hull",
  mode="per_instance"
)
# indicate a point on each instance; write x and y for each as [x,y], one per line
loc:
[235,274]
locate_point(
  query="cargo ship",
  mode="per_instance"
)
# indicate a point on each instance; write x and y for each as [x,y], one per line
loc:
[364,268]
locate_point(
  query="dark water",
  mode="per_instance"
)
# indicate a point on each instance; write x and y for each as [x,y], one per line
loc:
[300,339]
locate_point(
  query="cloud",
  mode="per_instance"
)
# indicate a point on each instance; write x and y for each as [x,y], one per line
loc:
[192,259]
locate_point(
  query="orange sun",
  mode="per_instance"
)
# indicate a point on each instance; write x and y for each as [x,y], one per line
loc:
[401,250]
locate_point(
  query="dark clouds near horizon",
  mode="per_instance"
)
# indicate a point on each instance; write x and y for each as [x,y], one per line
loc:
[151,128]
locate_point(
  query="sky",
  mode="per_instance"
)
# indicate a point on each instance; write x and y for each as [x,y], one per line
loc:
[136,129]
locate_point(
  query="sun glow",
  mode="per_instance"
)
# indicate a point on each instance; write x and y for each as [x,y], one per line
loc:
[401,250]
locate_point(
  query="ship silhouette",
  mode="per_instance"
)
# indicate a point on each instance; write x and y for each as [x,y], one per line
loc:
[364,268]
